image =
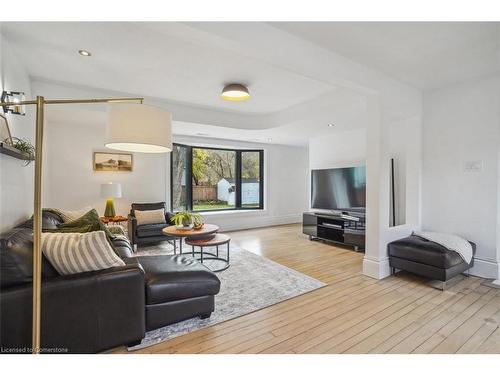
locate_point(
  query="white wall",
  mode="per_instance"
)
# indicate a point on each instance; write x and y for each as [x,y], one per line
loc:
[348,148]
[286,185]
[462,124]
[16,180]
[70,181]
[340,149]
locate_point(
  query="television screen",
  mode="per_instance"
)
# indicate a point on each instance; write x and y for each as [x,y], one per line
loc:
[339,188]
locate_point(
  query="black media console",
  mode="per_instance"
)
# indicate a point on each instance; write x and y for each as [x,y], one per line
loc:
[334,228]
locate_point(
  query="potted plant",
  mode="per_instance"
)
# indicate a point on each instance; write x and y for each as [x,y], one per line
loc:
[187,220]
[25,147]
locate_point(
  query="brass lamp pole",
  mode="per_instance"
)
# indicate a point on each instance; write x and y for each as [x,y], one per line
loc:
[40,103]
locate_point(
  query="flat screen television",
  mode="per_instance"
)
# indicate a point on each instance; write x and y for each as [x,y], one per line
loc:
[339,189]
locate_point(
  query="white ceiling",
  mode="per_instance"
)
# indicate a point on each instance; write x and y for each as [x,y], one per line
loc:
[296,83]
[154,60]
[426,55]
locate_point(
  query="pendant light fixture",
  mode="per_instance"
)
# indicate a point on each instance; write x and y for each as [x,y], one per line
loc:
[235,92]
[138,127]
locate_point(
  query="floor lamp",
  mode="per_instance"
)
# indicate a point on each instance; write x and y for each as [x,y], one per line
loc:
[131,127]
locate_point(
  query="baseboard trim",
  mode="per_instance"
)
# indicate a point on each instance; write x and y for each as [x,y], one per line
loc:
[240,223]
[376,268]
[487,269]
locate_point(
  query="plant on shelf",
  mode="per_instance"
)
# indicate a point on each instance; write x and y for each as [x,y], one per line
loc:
[186,219]
[26,148]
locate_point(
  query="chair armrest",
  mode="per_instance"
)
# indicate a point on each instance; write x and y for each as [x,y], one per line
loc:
[131,228]
[168,217]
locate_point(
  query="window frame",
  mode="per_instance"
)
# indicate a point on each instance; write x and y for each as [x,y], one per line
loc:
[238,180]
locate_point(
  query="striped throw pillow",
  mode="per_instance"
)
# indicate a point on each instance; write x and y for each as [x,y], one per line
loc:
[71,253]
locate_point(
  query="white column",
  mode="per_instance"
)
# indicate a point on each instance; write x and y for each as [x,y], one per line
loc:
[497,281]
[375,262]
[378,232]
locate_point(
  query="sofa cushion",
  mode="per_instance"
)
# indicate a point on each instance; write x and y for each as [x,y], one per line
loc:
[176,277]
[150,230]
[122,246]
[16,258]
[50,220]
[420,250]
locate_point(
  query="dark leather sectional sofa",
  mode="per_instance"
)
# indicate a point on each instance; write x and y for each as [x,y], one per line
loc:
[94,311]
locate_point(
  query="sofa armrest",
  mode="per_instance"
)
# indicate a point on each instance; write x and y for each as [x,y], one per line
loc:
[81,313]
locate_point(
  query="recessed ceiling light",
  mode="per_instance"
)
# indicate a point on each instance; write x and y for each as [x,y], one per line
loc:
[269,139]
[84,53]
[235,92]
[331,125]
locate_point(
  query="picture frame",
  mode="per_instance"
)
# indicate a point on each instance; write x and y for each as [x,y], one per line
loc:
[112,162]
[5,136]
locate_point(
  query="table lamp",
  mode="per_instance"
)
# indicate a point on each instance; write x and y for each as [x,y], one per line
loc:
[109,191]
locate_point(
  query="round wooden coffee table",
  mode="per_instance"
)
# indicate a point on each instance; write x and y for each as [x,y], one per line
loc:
[206,232]
[216,241]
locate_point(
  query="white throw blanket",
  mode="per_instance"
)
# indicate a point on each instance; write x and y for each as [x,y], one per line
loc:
[451,242]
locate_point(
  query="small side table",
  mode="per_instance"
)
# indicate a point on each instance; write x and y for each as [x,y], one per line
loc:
[207,231]
[217,240]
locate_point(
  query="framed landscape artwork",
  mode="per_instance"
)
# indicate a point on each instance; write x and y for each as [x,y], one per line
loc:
[112,162]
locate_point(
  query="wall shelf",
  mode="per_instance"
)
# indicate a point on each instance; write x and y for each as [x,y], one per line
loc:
[11,151]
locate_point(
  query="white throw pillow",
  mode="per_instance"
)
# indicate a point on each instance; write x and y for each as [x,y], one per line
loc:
[150,216]
[70,215]
[71,253]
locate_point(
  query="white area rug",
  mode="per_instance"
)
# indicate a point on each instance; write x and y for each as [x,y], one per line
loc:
[249,284]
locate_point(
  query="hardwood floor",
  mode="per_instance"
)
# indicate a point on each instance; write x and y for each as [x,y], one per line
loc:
[353,313]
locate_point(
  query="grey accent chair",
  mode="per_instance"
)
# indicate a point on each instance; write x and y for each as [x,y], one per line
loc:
[148,233]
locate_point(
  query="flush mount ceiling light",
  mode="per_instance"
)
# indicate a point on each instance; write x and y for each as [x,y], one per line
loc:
[235,92]
[84,53]
[331,125]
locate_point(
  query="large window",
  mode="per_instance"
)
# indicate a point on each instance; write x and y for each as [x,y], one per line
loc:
[205,179]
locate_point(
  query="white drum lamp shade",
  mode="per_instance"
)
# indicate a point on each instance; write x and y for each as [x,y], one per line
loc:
[111,190]
[137,127]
